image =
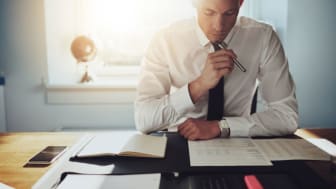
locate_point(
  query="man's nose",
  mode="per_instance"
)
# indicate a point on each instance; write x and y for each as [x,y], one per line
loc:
[219,24]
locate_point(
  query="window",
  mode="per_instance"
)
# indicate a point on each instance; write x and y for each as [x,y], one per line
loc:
[120,28]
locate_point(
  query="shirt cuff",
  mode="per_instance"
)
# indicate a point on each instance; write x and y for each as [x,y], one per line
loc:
[181,101]
[239,126]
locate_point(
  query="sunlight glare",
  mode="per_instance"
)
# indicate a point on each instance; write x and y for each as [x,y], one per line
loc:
[116,15]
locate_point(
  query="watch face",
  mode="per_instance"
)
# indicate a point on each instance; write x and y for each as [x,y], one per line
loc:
[224,128]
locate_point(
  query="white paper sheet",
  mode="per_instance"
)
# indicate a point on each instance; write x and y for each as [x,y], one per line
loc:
[226,152]
[148,181]
[290,149]
[324,145]
[4,186]
[98,144]
[52,176]
[124,143]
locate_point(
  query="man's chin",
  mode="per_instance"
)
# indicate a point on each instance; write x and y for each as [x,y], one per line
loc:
[215,39]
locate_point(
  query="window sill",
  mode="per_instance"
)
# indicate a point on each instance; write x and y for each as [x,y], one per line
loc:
[107,92]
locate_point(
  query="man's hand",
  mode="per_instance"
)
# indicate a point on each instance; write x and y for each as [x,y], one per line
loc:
[194,129]
[219,64]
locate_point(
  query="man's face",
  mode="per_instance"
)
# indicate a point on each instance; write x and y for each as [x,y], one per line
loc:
[217,17]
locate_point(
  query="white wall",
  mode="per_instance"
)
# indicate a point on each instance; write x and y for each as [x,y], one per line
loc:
[25,53]
[60,31]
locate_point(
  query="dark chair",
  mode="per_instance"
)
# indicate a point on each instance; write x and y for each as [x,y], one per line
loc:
[254,102]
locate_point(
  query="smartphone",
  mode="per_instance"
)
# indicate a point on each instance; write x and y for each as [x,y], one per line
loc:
[47,155]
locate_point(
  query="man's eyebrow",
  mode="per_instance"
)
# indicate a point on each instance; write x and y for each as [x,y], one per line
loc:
[225,12]
[230,10]
[209,9]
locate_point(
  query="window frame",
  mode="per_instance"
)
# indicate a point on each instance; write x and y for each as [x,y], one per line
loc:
[62,73]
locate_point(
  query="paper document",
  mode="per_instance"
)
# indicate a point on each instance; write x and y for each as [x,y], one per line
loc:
[290,149]
[87,168]
[148,181]
[4,186]
[52,177]
[226,152]
[324,145]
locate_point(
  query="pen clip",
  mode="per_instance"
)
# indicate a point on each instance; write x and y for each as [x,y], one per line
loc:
[223,45]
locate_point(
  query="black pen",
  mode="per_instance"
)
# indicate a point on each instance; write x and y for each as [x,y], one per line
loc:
[238,64]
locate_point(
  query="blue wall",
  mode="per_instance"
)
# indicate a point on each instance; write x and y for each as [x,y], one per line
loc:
[307,29]
[274,13]
[3,37]
[311,38]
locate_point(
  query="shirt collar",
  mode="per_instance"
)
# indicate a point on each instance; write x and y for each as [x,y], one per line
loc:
[201,36]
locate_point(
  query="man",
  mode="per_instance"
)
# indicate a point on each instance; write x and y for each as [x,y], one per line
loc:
[181,65]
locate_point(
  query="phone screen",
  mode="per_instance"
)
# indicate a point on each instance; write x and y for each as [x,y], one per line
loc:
[48,155]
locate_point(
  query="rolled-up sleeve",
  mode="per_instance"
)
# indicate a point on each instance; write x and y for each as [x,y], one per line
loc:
[155,107]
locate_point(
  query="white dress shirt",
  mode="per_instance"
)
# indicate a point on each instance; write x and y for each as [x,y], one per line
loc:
[177,55]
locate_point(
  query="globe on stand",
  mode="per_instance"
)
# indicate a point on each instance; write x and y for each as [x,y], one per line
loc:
[84,50]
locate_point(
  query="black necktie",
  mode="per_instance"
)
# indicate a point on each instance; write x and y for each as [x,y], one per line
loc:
[216,98]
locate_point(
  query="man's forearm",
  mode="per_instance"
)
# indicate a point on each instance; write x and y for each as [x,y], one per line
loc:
[196,91]
[156,113]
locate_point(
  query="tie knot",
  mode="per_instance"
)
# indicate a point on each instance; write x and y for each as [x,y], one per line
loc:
[216,46]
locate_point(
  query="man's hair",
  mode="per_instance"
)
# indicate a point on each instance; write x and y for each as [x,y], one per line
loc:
[196,2]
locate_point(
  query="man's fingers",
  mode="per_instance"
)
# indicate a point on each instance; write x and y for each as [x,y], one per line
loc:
[192,137]
[186,131]
[222,63]
[218,59]
[182,129]
[192,133]
[223,52]
[224,71]
[189,132]
[197,129]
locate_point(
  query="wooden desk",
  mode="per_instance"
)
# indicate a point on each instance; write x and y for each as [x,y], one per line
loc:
[321,168]
[329,134]
[17,148]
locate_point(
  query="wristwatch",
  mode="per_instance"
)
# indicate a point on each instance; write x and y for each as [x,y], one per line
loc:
[224,128]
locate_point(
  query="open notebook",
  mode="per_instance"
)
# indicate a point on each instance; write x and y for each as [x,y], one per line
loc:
[121,143]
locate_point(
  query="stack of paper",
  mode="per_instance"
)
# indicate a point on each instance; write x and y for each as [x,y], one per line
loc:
[248,152]
[226,152]
[290,149]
